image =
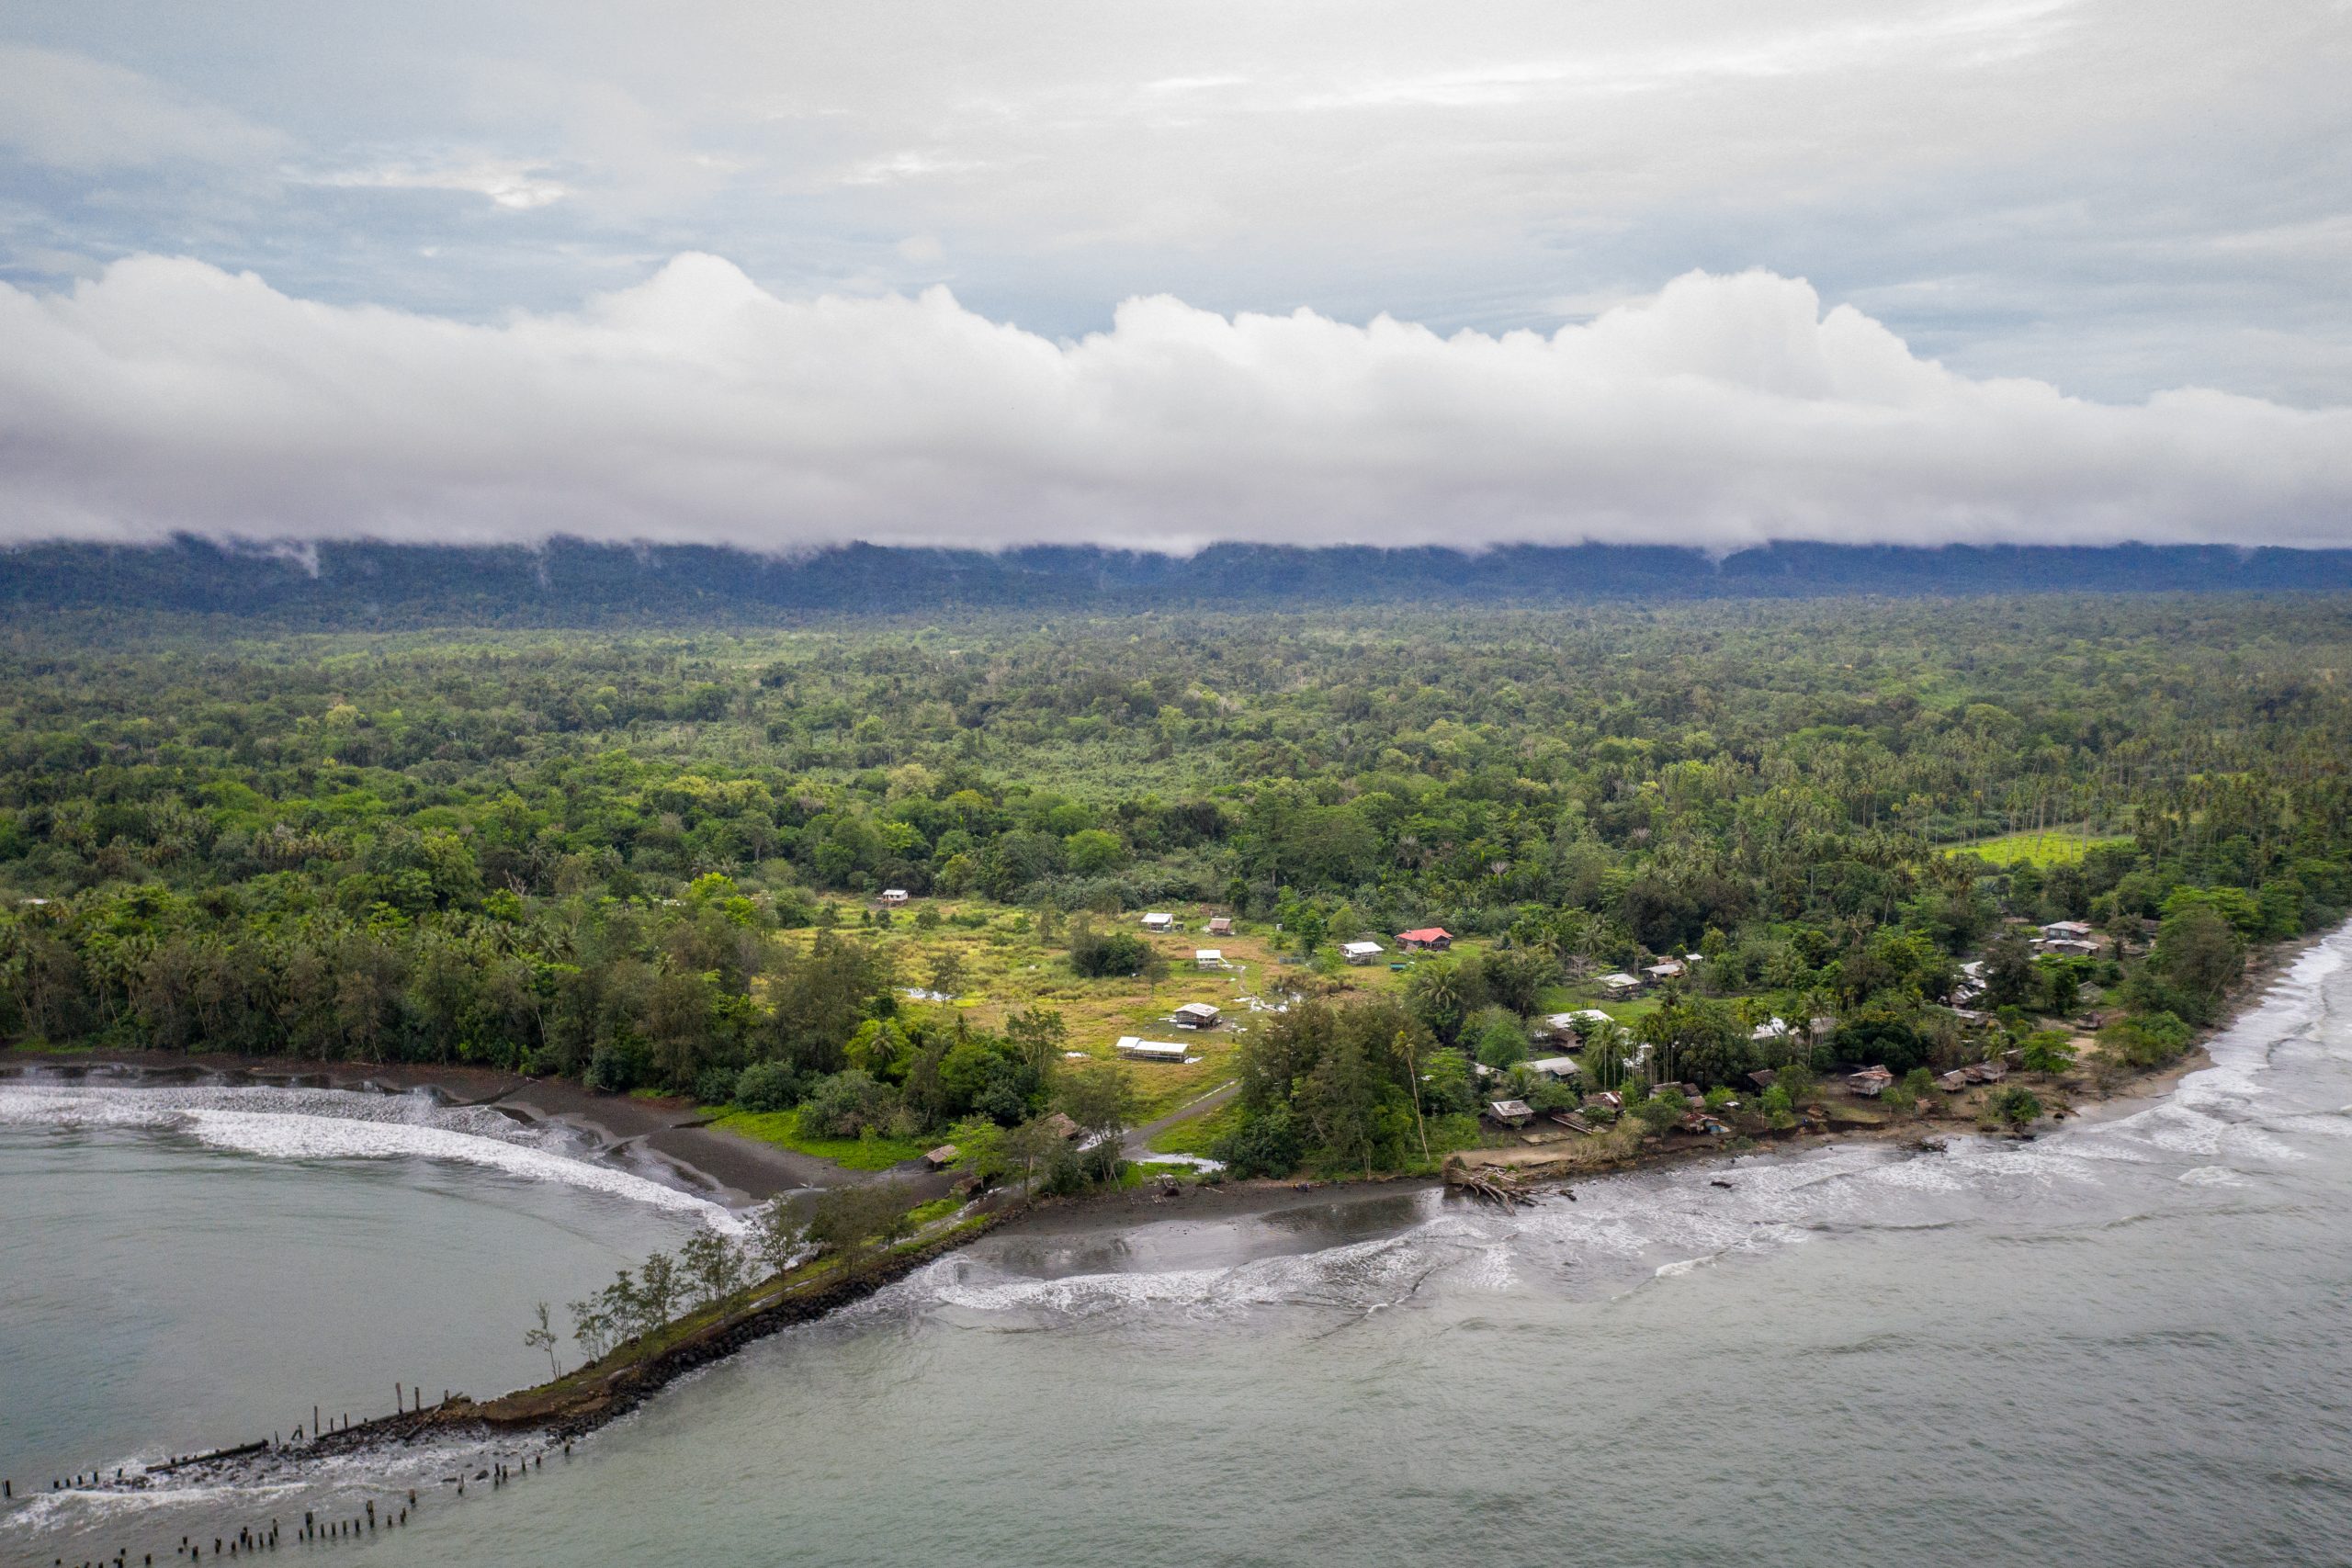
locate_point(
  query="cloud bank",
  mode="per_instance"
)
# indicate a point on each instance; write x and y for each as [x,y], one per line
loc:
[169,396]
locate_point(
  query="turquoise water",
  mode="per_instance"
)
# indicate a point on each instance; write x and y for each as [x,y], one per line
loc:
[2122,1343]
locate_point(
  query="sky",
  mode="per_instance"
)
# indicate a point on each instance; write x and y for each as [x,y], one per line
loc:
[786,276]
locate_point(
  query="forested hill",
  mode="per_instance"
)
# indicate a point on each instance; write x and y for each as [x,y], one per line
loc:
[569,582]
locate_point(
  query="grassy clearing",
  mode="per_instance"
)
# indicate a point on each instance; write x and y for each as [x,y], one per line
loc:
[1196,1136]
[1002,967]
[782,1128]
[2053,846]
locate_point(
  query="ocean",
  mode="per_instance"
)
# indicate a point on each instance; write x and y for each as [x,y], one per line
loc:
[2123,1342]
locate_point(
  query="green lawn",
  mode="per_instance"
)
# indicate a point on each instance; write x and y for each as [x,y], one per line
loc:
[2054,846]
[1193,1137]
[782,1128]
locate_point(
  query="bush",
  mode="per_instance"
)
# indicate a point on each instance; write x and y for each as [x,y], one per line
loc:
[2013,1106]
[847,1105]
[714,1085]
[1498,1036]
[1266,1144]
[767,1086]
[615,1067]
[1098,953]
[2146,1039]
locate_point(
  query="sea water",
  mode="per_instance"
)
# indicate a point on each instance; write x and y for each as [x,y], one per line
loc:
[2124,1342]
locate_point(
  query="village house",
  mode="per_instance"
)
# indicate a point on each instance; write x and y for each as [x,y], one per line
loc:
[1220,925]
[1619,985]
[1511,1113]
[2067,946]
[1361,951]
[1665,969]
[1431,939]
[1562,1026]
[1196,1015]
[1140,1050]
[1208,958]
[1557,1068]
[894,894]
[1870,1082]
[942,1158]
[2078,930]
[1159,922]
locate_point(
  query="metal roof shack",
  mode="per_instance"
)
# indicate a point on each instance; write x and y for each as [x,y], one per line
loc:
[1220,925]
[1196,1015]
[1511,1113]
[1208,958]
[942,1157]
[1361,951]
[1665,969]
[894,894]
[1870,1082]
[1159,922]
[1141,1050]
[1556,1067]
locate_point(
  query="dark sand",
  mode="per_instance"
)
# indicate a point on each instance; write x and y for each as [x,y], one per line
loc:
[651,1137]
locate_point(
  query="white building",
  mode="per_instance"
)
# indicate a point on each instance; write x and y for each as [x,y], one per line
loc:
[1361,951]
[1208,958]
[1141,1050]
[1157,923]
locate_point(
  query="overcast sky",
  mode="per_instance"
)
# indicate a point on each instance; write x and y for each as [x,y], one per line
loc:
[789,275]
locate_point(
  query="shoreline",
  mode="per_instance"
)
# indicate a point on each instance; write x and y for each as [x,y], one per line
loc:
[666,1139]
[584,1400]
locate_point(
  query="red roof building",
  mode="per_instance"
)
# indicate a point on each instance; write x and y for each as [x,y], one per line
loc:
[1436,939]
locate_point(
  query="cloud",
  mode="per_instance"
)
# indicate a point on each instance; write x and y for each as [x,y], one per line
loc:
[83,115]
[168,395]
[515,184]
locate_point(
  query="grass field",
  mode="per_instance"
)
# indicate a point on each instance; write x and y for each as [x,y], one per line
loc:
[1003,967]
[2053,846]
[782,1128]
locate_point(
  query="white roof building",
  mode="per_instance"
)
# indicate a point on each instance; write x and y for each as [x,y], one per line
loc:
[1159,922]
[1143,1049]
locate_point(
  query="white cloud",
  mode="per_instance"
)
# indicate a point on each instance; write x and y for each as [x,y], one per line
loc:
[81,114]
[1724,409]
[518,186]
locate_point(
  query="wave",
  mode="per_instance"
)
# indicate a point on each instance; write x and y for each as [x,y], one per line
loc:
[345,1124]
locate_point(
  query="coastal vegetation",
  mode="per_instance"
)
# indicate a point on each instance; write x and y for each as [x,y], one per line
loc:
[655,861]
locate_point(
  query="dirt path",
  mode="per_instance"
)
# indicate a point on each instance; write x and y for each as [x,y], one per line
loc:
[1137,1145]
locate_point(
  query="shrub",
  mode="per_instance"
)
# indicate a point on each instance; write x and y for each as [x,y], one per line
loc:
[2146,1039]
[2013,1106]
[767,1086]
[847,1105]
[1266,1144]
[1499,1037]
[1097,954]
[714,1085]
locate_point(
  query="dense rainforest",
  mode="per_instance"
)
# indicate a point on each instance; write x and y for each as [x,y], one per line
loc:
[643,857]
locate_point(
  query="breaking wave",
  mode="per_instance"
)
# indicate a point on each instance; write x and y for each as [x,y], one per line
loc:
[346,1125]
